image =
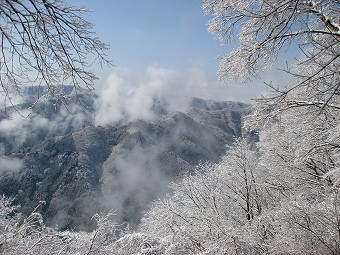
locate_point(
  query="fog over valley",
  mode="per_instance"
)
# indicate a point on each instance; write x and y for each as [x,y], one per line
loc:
[80,161]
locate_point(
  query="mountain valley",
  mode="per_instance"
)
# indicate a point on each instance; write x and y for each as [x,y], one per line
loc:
[72,169]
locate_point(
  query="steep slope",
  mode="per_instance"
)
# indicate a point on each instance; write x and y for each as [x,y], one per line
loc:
[32,122]
[223,119]
[120,168]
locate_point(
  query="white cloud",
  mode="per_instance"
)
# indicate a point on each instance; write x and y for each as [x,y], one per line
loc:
[10,165]
[128,95]
[15,127]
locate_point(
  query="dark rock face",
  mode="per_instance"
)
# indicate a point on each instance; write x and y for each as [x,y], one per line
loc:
[120,168]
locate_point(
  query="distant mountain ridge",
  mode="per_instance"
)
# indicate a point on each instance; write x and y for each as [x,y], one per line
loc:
[35,92]
[85,169]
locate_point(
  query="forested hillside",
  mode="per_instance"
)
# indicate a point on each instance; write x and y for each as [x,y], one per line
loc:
[78,169]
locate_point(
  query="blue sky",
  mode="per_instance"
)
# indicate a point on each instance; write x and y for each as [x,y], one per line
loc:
[170,33]
[164,34]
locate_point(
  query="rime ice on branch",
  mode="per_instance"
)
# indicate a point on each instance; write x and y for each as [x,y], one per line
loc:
[46,42]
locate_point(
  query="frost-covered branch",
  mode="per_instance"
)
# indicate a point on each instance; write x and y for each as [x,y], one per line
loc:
[265,29]
[49,43]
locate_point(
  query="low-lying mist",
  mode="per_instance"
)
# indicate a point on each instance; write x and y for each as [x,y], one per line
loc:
[138,133]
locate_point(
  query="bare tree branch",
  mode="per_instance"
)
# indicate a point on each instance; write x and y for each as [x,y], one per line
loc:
[48,43]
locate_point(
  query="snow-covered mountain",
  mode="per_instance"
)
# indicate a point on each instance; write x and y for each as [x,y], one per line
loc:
[79,169]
